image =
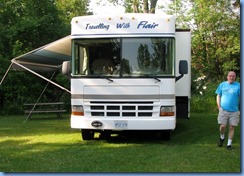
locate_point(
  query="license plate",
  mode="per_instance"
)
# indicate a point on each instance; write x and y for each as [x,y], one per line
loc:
[120,124]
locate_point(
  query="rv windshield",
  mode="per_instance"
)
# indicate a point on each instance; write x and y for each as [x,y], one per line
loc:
[124,57]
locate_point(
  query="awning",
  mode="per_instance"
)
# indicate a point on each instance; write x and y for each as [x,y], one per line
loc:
[46,58]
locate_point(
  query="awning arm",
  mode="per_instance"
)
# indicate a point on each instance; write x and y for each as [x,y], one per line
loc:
[17,64]
[6,73]
[32,109]
[35,73]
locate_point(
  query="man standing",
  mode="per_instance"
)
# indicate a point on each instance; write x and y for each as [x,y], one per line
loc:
[228,94]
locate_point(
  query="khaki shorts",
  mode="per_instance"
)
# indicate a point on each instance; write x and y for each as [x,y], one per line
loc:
[225,116]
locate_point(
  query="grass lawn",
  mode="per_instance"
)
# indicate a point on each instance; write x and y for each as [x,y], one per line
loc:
[49,145]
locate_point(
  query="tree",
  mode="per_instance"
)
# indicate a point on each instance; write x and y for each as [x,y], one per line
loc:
[27,25]
[71,8]
[137,6]
[216,41]
[215,27]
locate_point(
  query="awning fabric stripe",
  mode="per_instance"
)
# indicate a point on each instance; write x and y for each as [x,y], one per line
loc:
[46,58]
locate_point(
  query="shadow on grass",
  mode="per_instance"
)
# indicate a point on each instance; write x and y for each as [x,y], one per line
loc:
[186,130]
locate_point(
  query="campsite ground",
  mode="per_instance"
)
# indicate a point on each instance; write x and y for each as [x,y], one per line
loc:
[49,145]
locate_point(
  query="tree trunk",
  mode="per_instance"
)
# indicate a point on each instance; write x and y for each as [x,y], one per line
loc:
[145,6]
[135,6]
[153,6]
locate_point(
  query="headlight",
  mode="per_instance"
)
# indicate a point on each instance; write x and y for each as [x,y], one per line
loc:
[167,111]
[77,110]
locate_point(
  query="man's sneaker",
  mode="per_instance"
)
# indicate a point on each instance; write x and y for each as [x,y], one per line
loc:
[229,147]
[221,141]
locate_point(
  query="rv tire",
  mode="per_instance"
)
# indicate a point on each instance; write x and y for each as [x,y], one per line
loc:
[165,135]
[87,134]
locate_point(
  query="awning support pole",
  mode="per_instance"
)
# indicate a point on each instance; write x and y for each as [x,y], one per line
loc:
[6,73]
[32,109]
[13,61]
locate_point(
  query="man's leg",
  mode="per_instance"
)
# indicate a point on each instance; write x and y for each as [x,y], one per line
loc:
[233,122]
[230,135]
[222,129]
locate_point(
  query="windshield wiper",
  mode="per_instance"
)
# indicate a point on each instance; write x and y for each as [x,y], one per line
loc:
[109,79]
[151,76]
[102,76]
[157,79]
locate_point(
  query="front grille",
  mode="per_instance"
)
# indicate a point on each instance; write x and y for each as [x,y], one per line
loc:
[122,109]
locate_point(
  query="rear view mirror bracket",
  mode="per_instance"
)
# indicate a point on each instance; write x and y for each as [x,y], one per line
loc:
[183,69]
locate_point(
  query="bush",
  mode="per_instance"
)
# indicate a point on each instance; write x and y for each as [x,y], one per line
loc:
[205,100]
[202,103]
[24,87]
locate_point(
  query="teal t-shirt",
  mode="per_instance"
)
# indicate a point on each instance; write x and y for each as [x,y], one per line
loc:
[229,95]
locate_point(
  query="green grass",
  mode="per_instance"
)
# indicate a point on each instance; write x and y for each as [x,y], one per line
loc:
[49,145]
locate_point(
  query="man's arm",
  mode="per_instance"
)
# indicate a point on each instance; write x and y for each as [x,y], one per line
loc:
[218,101]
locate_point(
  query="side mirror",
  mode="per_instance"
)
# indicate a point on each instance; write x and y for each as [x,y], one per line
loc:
[66,68]
[183,67]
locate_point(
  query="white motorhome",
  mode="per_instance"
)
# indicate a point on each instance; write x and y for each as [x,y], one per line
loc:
[128,72]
